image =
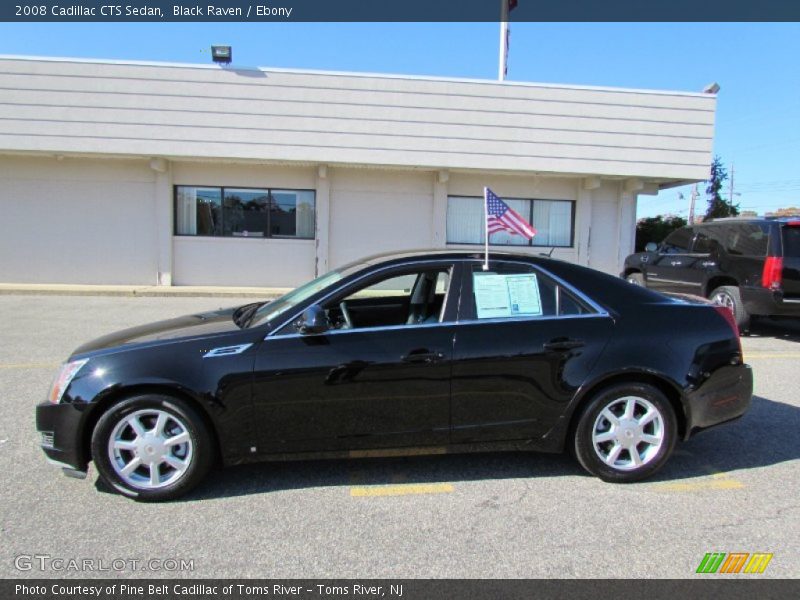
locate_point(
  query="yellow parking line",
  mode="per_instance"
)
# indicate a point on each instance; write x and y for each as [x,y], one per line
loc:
[29,365]
[714,484]
[719,481]
[401,490]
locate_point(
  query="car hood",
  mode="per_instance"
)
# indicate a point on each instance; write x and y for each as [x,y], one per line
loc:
[190,326]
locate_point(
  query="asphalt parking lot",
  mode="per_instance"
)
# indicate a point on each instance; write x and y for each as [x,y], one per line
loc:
[733,489]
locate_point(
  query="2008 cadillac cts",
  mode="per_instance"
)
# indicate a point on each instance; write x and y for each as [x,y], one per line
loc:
[419,350]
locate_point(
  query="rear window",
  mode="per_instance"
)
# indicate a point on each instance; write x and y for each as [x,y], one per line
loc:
[747,239]
[791,241]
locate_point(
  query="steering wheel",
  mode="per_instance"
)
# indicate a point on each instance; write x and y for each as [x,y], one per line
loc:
[348,322]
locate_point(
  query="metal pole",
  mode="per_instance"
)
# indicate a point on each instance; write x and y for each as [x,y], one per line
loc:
[486,227]
[730,193]
[501,69]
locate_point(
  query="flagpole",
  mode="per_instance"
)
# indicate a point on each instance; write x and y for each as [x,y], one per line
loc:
[486,227]
[501,69]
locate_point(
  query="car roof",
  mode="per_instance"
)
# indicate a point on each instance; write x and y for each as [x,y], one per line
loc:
[444,254]
[607,290]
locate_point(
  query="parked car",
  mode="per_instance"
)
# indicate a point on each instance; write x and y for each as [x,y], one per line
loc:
[751,266]
[417,350]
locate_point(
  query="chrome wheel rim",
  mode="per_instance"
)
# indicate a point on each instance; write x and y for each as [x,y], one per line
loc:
[628,433]
[150,449]
[723,299]
[633,280]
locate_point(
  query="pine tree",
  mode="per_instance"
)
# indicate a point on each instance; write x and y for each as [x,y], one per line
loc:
[717,207]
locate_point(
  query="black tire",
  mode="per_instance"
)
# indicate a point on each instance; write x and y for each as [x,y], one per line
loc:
[635,279]
[730,296]
[179,415]
[654,456]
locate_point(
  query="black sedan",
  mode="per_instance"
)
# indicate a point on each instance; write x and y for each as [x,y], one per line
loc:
[421,350]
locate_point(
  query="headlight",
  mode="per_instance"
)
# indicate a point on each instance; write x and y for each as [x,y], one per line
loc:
[65,375]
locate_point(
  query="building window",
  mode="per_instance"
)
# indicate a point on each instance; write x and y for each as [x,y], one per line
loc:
[244,212]
[554,221]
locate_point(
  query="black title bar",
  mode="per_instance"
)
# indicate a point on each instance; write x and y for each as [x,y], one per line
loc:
[399,589]
[401,10]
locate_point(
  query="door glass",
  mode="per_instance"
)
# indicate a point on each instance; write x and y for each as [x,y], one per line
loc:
[406,299]
[677,242]
[515,290]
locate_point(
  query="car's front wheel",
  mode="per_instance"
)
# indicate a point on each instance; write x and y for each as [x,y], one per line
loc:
[626,433]
[152,447]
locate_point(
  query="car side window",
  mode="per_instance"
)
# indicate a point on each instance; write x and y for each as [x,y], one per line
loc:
[518,290]
[410,298]
[677,242]
[709,240]
[747,239]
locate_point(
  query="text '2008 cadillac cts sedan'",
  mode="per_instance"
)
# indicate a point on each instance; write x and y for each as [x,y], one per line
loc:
[419,350]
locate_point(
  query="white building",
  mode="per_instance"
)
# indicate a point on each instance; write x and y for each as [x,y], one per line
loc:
[134,173]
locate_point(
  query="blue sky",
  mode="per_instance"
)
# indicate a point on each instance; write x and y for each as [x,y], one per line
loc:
[758,118]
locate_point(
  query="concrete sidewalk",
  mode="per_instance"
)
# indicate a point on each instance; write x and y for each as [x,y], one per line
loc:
[60,289]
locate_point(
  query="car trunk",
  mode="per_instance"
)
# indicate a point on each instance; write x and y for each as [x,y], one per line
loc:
[790,232]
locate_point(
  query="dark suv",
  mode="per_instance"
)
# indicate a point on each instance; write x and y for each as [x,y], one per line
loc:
[749,265]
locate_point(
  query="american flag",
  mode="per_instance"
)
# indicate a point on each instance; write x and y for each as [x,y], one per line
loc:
[499,217]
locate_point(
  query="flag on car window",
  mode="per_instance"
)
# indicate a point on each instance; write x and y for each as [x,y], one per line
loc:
[500,217]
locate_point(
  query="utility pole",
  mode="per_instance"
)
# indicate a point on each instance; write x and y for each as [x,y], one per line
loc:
[695,194]
[730,194]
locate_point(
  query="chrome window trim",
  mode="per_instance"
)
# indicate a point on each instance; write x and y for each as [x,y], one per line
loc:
[603,315]
[366,330]
[273,333]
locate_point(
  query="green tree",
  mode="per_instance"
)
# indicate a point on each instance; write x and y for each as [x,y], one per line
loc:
[717,207]
[655,229]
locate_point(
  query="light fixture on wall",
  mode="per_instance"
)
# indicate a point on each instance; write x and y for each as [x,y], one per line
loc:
[221,54]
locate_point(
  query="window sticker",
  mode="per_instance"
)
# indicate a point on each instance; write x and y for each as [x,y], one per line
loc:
[498,296]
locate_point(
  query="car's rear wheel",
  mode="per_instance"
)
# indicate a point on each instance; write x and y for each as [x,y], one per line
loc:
[730,296]
[626,433]
[152,447]
[635,278]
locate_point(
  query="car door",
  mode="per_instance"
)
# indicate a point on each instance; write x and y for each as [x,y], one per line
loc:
[705,258]
[384,382]
[525,342]
[669,271]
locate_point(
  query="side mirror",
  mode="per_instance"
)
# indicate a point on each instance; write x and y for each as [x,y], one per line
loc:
[651,247]
[313,321]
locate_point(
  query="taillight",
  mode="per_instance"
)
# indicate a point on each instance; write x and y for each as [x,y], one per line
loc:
[772,275]
[727,314]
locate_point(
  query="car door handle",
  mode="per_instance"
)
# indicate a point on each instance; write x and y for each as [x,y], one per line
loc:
[422,357]
[563,344]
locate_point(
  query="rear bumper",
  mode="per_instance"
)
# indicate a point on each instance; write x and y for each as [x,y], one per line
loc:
[761,301]
[59,426]
[724,396]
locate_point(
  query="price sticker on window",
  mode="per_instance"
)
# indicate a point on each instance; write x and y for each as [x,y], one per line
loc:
[499,296]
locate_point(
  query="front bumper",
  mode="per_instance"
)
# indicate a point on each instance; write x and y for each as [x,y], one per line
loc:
[60,427]
[724,396]
[761,301]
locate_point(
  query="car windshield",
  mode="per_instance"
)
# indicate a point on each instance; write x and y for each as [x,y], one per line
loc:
[278,307]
